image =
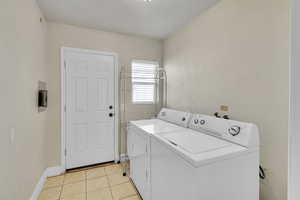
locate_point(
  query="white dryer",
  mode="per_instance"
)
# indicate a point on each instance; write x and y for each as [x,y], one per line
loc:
[216,159]
[138,144]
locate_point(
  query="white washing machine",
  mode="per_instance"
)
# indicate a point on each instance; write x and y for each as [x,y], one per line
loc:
[138,144]
[216,159]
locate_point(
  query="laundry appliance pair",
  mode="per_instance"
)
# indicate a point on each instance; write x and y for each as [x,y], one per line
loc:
[180,155]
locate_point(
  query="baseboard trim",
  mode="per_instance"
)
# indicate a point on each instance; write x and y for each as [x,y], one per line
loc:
[54,171]
[48,172]
[39,186]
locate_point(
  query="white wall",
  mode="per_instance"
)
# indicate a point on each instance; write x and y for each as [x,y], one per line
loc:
[8,101]
[126,46]
[23,64]
[294,139]
[237,54]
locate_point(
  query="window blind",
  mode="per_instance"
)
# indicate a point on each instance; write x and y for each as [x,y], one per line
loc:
[143,82]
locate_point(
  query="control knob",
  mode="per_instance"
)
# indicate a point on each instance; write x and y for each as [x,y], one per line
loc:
[202,122]
[234,130]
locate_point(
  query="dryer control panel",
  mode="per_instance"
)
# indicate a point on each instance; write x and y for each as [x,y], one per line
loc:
[244,134]
[176,117]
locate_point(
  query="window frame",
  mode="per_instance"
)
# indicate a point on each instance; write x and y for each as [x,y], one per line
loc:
[155,95]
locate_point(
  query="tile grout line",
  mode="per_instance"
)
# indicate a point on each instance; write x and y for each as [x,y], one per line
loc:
[110,189]
[109,185]
[119,184]
[61,189]
[131,195]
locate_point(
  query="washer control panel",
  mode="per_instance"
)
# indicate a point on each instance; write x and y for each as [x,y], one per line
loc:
[199,121]
[176,117]
[234,131]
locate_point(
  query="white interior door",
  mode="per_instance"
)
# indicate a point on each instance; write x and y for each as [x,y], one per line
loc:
[90,108]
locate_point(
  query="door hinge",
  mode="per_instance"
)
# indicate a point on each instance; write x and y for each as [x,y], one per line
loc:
[65,152]
[65,64]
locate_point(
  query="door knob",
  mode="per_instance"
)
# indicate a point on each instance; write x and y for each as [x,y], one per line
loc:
[111,114]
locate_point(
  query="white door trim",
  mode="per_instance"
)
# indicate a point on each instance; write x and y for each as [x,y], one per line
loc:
[63,100]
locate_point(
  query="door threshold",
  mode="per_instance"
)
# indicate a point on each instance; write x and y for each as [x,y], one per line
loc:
[83,168]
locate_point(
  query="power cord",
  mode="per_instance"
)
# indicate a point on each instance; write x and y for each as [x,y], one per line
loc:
[262,174]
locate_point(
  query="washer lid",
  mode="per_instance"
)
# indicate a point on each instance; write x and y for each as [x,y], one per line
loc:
[194,142]
[156,126]
[198,148]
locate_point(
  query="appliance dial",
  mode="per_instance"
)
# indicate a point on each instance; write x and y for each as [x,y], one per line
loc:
[202,122]
[234,130]
[196,121]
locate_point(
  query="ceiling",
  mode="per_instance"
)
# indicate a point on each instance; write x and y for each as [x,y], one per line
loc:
[157,19]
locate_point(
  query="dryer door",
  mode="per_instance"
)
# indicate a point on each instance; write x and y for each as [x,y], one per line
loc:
[139,162]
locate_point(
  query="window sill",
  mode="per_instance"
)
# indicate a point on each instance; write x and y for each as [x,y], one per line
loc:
[143,103]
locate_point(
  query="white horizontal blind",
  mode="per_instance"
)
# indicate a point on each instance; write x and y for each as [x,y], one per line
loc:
[143,82]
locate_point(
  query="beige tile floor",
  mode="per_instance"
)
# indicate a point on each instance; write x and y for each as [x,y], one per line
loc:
[99,183]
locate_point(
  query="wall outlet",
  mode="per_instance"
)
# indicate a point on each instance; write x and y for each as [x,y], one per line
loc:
[224,108]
